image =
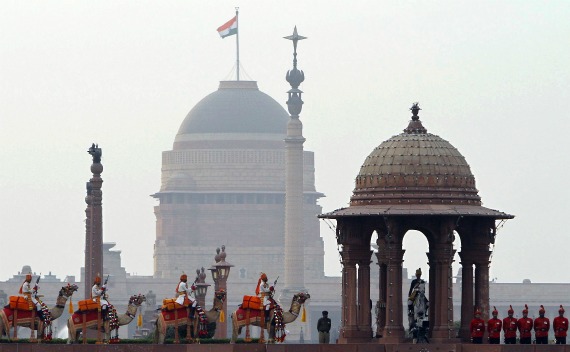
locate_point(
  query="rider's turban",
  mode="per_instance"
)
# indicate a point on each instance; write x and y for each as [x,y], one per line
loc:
[97,279]
[29,277]
[183,277]
[263,277]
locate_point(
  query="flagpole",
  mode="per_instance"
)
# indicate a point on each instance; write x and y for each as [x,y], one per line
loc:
[237,44]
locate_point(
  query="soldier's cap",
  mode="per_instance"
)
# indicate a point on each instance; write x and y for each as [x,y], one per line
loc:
[561,310]
[495,312]
[525,310]
[511,311]
[541,310]
[419,272]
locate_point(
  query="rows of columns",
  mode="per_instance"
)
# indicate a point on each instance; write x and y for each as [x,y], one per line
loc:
[356,304]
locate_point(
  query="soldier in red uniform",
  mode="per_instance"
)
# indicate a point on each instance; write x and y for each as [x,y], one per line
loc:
[541,327]
[525,326]
[477,328]
[560,326]
[494,326]
[510,327]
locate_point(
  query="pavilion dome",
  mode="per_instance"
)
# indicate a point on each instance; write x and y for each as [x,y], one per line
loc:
[415,167]
[236,107]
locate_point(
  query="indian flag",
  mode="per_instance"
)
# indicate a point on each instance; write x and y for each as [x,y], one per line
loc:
[228,28]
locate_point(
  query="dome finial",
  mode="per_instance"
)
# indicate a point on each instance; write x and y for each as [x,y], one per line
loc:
[415,110]
[415,126]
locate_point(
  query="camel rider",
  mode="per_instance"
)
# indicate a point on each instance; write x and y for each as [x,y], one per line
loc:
[31,294]
[414,287]
[265,292]
[184,295]
[99,294]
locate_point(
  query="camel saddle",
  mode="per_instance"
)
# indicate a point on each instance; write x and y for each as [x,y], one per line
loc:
[251,302]
[170,304]
[87,304]
[20,303]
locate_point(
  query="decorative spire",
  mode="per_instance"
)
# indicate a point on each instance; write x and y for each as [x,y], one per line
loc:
[295,77]
[415,126]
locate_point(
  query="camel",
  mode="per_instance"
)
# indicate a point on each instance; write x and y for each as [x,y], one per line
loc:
[75,322]
[165,320]
[240,318]
[24,317]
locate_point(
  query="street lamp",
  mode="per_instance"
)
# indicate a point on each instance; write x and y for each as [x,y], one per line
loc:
[220,272]
[201,287]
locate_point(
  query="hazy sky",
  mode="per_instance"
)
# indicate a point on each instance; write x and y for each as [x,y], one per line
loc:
[492,77]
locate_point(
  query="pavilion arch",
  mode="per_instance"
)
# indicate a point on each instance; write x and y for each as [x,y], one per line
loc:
[413,181]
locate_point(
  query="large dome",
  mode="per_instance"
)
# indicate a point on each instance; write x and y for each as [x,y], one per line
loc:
[236,107]
[415,167]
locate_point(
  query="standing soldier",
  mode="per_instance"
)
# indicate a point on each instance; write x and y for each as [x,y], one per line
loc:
[525,326]
[494,326]
[541,327]
[477,328]
[510,327]
[560,325]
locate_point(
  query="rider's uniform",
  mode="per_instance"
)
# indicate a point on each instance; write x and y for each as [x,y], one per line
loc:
[184,295]
[31,294]
[99,293]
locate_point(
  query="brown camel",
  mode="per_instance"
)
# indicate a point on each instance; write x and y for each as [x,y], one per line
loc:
[212,315]
[239,317]
[55,312]
[75,322]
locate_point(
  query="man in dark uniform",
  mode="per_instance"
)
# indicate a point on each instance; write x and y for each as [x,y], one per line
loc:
[541,327]
[324,327]
[510,327]
[560,326]
[525,326]
[494,326]
[477,328]
[411,293]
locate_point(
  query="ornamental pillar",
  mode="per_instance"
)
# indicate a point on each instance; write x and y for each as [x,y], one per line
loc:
[441,298]
[482,287]
[466,295]
[394,329]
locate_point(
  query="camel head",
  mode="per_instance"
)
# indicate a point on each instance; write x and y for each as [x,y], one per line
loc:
[67,291]
[219,298]
[137,300]
[301,297]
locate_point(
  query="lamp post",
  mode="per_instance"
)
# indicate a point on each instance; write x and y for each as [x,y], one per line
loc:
[201,287]
[220,272]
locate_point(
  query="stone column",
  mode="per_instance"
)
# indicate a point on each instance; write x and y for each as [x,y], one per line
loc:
[441,303]
[94,222]
[482,287]
[394,329]
[382,295]
[466,295]
[349,308]
[364,302]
